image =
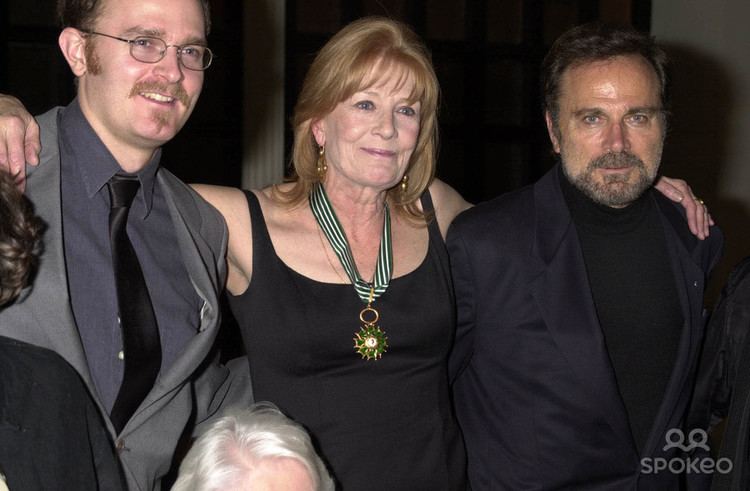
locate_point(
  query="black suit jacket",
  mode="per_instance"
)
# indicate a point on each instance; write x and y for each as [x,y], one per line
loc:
[51,434]
[535,391]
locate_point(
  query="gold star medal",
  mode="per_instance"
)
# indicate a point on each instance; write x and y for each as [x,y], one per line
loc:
[370,342]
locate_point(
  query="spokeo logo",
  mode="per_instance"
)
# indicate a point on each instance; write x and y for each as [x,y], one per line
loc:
[675,438]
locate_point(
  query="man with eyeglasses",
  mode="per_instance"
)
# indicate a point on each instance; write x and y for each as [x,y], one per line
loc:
[133,262]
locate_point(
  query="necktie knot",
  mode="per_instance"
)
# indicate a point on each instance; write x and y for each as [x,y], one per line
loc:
[122,191]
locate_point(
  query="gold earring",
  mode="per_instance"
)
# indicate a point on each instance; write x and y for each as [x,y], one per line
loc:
[322,167]
[404,184]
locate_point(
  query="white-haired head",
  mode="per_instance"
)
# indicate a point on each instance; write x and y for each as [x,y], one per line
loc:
[246,444]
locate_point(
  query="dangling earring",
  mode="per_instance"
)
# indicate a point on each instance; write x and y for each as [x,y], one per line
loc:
[404,184]
[322,167]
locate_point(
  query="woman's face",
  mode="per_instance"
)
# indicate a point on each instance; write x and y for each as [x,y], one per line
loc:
[369,138]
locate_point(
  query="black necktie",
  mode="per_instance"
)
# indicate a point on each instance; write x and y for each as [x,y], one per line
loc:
[140,334]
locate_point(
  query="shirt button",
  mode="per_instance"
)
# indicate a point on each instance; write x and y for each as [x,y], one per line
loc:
[120,355]
[695,284]
[120,445]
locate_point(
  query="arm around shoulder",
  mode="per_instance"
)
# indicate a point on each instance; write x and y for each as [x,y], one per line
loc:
[448,204]
[232,204]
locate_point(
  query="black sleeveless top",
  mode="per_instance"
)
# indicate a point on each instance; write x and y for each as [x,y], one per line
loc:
[385,424]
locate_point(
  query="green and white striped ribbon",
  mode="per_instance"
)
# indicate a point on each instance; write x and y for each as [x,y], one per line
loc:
[329,223]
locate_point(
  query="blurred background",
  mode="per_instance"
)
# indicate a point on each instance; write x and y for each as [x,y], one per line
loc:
[487,55]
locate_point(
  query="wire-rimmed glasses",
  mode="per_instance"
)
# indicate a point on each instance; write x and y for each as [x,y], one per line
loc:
[149,49]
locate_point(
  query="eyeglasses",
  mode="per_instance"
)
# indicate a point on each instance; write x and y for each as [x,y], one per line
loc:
[148,49]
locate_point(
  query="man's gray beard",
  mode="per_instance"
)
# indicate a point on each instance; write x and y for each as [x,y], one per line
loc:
[615,190]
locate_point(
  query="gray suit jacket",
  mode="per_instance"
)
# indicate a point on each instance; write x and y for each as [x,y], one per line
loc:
[193,389]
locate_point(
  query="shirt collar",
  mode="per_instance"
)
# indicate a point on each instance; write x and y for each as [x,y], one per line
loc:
[96,164]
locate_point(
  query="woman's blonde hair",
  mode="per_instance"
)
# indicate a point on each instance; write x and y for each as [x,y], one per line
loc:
[342,67]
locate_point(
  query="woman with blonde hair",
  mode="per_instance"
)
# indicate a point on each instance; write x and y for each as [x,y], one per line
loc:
[340,281]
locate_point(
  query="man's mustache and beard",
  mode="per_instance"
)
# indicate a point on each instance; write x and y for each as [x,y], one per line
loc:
[615,189]
[161,117]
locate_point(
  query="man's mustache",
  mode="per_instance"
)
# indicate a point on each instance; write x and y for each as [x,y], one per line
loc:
[616,161]
[175,90]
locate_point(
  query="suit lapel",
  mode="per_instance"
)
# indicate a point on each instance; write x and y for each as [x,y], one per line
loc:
[192,248]
[52,311]
[195,253]
[563,296]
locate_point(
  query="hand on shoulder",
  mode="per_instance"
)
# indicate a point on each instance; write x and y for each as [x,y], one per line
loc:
[19,138]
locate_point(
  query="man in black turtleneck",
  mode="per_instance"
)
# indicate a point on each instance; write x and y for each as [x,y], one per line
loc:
[580,297]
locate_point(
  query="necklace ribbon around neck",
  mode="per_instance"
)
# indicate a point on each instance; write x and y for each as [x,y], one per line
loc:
[329,223]
[370,341]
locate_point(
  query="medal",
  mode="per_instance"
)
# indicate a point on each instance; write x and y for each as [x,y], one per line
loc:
[370,341]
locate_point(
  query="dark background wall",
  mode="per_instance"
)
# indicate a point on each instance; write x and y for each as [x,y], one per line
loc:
[486,54]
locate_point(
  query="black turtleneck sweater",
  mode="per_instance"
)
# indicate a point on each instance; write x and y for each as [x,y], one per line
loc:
[633,288]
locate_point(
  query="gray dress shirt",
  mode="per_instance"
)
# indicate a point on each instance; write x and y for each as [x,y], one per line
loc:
[87,165]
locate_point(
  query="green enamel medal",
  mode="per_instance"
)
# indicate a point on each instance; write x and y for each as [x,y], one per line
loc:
[370,341]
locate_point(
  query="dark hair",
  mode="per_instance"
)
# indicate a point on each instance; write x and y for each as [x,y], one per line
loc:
[20,230]
[595,42]
[82,14]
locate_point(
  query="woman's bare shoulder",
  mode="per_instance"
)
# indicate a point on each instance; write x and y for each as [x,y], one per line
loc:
[228,200]
[448,204]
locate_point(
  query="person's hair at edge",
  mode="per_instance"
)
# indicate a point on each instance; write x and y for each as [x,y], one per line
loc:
[597,41]
[20,232]
[239,440]
[82,14]
[342,67]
